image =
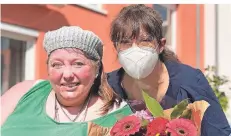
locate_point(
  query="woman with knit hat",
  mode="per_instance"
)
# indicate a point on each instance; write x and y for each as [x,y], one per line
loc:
[75,100]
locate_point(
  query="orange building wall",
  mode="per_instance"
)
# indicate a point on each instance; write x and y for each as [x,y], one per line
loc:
[186,34]
[202,50]
[48,17]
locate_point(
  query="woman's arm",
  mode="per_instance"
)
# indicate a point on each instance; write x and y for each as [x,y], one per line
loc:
[214,122]
[11,97]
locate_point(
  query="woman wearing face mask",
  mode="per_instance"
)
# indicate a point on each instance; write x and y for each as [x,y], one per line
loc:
[75,101]
[148,65]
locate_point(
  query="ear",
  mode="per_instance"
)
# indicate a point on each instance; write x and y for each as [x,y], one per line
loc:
[162,45]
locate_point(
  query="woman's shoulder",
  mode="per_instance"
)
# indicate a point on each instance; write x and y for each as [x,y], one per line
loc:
[186,80]
[19,89]
[180,73]
[11,97]
[15,93]
[117,73]
[114,79]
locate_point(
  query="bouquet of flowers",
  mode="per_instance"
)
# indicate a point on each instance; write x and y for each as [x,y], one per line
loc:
[182,120]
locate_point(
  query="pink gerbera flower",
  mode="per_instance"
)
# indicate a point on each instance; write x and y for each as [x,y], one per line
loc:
[181,127]
[129,125]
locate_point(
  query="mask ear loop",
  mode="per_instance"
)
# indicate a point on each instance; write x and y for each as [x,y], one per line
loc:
[157,47]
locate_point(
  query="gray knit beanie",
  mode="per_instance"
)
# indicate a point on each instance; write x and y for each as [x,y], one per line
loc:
[74,37]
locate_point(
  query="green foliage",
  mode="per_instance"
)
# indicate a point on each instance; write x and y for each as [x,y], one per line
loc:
[153,105]
[144,122]
[179,108]
[187,114]
[216,82]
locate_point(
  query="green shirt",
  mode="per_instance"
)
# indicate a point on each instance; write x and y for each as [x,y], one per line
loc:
[30,118]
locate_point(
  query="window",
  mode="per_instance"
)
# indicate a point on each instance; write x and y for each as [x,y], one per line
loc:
[163,11]
[12,62]
[166,10]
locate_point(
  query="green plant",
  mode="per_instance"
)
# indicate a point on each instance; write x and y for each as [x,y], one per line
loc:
[216,82]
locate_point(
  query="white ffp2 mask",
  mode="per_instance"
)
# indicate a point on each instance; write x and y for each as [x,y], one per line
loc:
[138,62]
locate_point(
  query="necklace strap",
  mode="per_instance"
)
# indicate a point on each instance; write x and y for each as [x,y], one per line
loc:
[86,103]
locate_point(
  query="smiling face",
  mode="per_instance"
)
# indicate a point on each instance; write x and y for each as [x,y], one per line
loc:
[71,73]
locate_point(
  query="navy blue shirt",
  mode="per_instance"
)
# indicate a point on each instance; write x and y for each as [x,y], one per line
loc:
[186,82]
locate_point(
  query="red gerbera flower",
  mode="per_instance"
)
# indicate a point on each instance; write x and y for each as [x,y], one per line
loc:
[129,125]
[157,126]
[181,127]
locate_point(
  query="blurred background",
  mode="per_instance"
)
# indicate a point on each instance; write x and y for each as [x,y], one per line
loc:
[199,34]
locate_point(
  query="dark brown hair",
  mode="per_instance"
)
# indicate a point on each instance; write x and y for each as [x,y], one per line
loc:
[132,19]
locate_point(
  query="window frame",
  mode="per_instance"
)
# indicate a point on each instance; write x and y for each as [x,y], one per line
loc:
[30,37]
[171,22]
